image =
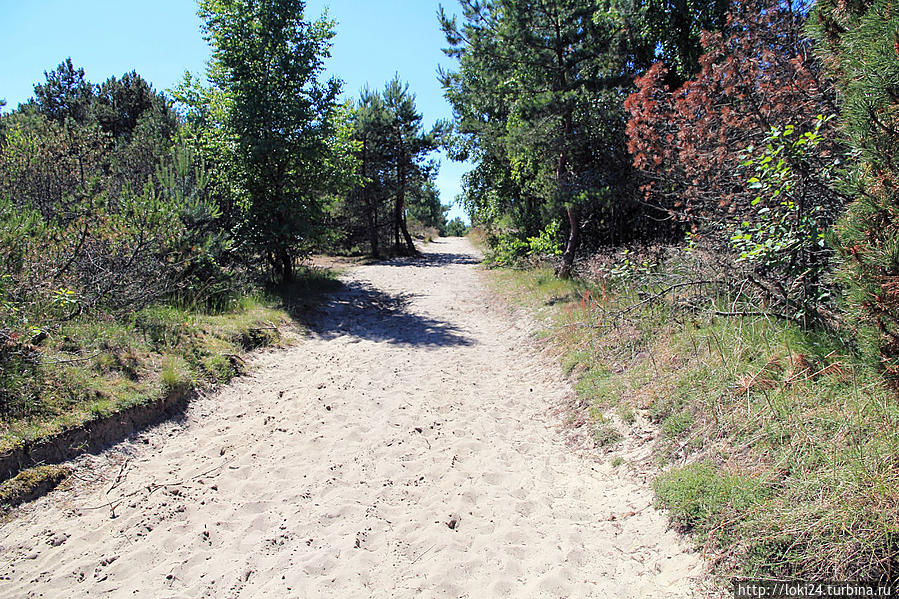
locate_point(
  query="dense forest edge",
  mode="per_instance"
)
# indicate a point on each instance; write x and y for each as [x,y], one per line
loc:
[700,197]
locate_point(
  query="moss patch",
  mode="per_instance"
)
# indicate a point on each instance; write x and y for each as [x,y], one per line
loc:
[31,484]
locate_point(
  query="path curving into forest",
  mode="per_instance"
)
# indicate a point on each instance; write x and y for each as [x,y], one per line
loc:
[410,446]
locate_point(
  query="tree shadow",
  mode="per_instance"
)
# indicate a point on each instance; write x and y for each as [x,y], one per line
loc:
[362,311]
[433,259]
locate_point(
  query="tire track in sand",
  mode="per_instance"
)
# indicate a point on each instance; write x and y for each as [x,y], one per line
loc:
[408,447]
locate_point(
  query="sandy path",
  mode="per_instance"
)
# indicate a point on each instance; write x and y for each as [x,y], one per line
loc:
[408,447]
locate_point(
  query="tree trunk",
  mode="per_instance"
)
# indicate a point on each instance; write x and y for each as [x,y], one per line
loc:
[371,206]
[286,260]
[399,214]
[410,245]
[373,231]
[397,218]
[571,247]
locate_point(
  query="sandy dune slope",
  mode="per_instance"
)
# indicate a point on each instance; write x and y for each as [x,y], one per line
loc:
[410,446]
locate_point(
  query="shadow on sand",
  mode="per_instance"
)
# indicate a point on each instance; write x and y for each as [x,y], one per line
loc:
[365,312]
[433,259]
[331,308]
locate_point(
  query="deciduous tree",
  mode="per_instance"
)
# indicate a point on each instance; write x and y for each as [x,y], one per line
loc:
[268,62]
[760,87]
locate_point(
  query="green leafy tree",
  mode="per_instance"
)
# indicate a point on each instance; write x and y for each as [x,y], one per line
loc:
[408,146]
[538,95]
[267,62]
[783,236]
[456,228]
[204,111]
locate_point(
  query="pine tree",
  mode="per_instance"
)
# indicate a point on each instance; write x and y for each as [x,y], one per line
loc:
[859,41]
[409,144]
[539,97]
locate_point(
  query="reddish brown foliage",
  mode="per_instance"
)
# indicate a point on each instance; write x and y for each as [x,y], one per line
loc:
[758,74]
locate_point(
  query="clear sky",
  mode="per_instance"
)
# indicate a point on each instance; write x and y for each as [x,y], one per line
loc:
[160,40]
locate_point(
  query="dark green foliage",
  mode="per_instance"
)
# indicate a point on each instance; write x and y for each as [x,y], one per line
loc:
[409,145]
[395,179]
[671,31]
[50,166]
[65,94]
[456,228]
[121,105]
[102,212]
[538,99]
[364,214]
[859,42]
[267,61]
[425,209]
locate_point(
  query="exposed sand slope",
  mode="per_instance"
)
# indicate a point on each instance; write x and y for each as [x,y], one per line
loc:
[408,447]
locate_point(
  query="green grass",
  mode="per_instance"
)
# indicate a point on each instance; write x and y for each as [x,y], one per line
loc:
[95,366]
[700,496]
[30,483]
[782,444]
[604,433]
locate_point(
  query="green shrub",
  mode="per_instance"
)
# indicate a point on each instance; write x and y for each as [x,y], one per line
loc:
[456,228]
[175,373]
[783,238]
[506,250]
[701,497]
[548,243]
[604,434]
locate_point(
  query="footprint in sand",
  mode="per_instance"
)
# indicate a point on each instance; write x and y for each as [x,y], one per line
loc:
[488,502]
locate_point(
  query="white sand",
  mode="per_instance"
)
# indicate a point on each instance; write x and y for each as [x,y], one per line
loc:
[411,446]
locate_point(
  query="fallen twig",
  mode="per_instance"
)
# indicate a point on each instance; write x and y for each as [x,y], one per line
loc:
[152,487]
[72,360]
[423,554]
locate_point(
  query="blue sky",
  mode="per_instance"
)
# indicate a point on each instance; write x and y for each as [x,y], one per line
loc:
[162,39]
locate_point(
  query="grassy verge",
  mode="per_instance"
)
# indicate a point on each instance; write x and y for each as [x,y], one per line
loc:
[30,484]
[778,447]
[95,366]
